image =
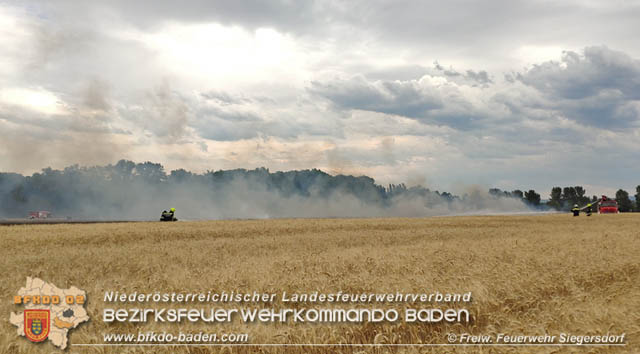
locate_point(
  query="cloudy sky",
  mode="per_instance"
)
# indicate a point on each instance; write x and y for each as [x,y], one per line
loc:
[509,94]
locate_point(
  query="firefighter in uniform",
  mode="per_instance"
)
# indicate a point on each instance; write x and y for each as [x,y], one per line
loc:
[575,210]
[169,215]
[589,209]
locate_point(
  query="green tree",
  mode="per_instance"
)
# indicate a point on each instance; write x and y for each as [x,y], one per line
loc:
[569,197]
[581,195]
[556,198]
[624,203]
[151,172]
[518,193]
[637,198]
[532,197]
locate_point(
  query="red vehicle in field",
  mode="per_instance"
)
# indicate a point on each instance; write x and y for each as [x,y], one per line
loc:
[607,206]
[39,214]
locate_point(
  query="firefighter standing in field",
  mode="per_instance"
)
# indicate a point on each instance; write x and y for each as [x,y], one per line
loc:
[588,209]
[575,210]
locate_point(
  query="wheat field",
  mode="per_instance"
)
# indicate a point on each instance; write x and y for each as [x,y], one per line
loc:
[534,274]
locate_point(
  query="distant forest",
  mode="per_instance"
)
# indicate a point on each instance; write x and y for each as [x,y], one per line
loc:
[140,190]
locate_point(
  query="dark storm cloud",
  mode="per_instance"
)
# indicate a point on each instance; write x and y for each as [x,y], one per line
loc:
[405,98]
[579,76]
[223,123]
[598,88]
[471,77]
[481,77]
[222,116]
[606,110]
[226,107]
[440,104]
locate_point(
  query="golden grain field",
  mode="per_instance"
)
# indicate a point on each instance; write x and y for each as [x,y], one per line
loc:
[528,275]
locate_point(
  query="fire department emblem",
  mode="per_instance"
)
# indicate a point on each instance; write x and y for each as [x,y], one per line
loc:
[36,324]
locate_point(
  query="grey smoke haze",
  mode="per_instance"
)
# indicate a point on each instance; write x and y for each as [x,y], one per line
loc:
[251,201]
[142,191]
[244,200]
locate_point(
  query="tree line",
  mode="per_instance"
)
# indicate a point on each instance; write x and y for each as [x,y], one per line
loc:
[120,188]
[564,198]
[127,186]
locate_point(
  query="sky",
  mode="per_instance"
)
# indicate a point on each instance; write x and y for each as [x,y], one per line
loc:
[508,94]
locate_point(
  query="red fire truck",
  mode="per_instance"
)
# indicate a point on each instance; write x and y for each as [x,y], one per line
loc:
[607,206]
[39,214]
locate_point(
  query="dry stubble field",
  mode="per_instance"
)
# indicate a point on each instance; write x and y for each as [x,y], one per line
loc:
[528,275]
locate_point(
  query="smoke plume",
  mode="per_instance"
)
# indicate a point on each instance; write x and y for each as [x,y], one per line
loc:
[130,191]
